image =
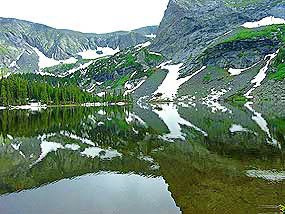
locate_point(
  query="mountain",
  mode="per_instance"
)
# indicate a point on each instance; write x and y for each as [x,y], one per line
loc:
[230,50]
[124,71]
[22,43]
[189,26]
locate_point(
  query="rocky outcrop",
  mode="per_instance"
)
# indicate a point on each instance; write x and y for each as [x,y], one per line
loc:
[238,54]
[190,26]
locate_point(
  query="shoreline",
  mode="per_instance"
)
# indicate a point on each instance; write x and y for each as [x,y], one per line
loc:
[44,106]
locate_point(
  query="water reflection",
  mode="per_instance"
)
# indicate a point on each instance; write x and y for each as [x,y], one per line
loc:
[262,123]
[170,116]
[95,193]
[150,157]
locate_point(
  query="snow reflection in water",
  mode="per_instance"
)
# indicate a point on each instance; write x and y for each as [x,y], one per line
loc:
[269,175]
[262,123]
[170,116]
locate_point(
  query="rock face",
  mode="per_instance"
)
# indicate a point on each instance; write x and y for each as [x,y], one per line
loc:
[17,37]
[238,54]
[189,26]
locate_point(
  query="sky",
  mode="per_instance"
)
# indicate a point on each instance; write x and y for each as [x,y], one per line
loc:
[89,16]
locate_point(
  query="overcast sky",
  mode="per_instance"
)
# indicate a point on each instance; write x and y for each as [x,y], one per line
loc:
[98,16]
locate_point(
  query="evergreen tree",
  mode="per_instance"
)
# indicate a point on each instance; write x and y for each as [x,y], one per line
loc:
[3,95]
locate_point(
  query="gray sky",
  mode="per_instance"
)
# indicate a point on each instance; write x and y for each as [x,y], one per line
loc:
[98,16]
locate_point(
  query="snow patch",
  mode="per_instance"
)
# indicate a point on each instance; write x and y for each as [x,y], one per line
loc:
[171,83]
[261,75]
[271,20]
[101,94]
[45,73]
[136,87]
[10,137]
[71,71]
[73,147]
[94,54]
[14,63]
[142,103]
[151,36]
[143,45]
[235,72]
[45,62]
[17,148]
[187,101]
[154,53]
[237,128]
[101,124]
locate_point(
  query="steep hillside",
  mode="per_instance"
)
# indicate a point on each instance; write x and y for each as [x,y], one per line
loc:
[189,26]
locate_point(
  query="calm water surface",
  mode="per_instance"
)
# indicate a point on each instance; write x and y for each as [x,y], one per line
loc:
[163,158]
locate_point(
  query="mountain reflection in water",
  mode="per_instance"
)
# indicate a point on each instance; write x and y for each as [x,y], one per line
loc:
[163,159]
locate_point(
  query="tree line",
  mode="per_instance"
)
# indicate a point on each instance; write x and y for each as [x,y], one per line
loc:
[16,90]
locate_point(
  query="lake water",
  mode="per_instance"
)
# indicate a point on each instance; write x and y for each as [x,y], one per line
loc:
[160,158]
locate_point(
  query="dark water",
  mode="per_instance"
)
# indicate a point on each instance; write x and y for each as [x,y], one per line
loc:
[163,158]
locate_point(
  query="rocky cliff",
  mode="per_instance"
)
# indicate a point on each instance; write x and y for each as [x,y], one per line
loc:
[189,26]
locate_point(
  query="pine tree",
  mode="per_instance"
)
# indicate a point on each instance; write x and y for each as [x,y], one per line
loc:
[3,95]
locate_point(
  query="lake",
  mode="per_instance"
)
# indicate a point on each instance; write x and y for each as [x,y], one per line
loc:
[154,158]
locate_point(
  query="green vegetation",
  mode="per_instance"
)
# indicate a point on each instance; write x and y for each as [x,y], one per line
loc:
[129,60]
[216,69]
[207,77]
[3,72]
[147,73]
[242,54]
[282,208]
[279,66]
[60,68]
[110,65]
[121,82]
[3,49]
[268,32]
[152,57]
[241,3]
[116,70]
[17,90]
[51,80]
[238,99]
[116,95]
[280,73]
